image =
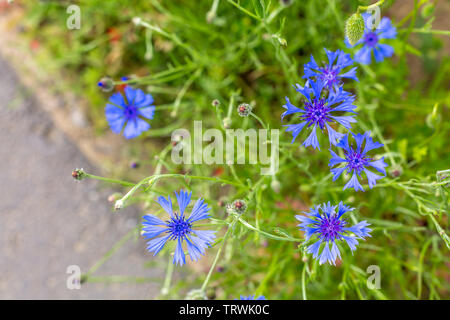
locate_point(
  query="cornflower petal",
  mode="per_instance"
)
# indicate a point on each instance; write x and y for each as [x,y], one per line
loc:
[200,211]
[206,235]
[372,178]
[157,244]
[354,183]
[179,257]
[130,94]
[193,251]
[337,172]
[147,112]
[335,159]
[333,135]
[296,129]
[314,249]
[326,255]
[183,199]
[379,165]
[312,140]
[386,30]
[364,55]
[166,204]
[151,219]
[344,120]
[290,108]
[117,99]
[351,241]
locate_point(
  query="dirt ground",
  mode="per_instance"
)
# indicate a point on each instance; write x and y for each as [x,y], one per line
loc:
[48,220]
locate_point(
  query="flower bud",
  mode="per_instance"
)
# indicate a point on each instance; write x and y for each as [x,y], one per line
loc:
[396,171]
[434,118]
[118,205]
[220,269]
[215,103]
[106,84]
[275,185]
[286,3]
[136,20]
[354,28]
[78,174]
[113,197]
[134,164]
[244,109]
[427,10]
[237,207]
[210,16]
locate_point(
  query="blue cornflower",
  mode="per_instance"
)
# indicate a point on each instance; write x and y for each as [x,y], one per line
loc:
[357,161]
[328,226]
[127,112]
[252,298]
[371,41]
[330,73]
[179,228]
[320,111]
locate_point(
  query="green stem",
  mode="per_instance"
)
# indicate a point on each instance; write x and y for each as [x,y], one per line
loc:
[304,282]
[443,32]
[172,37]
[212,13]
[183,92]
[124,183]
[213,266]
[258,119]
[245,10]
[420,268]
[168,279]
[365,8]
[268,235]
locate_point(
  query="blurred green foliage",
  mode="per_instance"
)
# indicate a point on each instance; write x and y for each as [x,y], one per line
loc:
[192,52]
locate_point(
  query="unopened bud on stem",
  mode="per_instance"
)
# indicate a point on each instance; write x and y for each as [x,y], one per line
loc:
[354,28]
[244,109]
[106,84]
[78,174]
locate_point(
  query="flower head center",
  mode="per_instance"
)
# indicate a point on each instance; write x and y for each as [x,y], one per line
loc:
[317,113]
[331,228]
[178,227]
[131,112]
[371,39]
[357,160]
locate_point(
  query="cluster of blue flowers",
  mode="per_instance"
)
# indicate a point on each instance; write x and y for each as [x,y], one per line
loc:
[325,106]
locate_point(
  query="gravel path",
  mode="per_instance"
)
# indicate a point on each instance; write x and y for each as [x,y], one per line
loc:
[48,220]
